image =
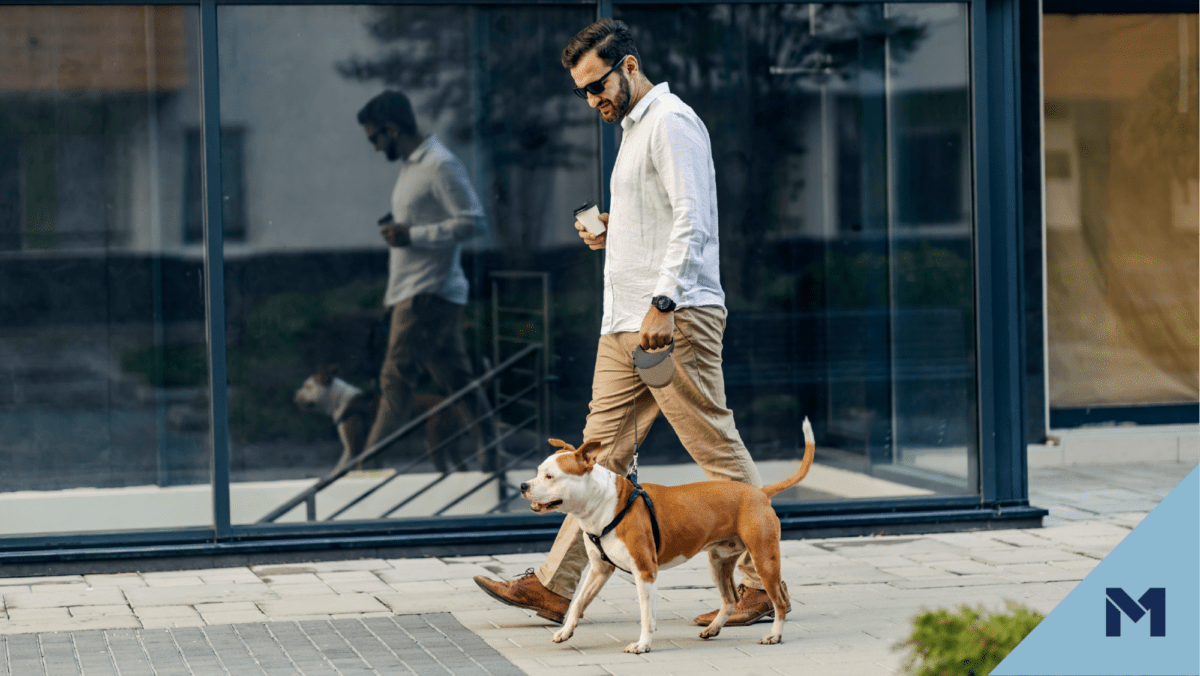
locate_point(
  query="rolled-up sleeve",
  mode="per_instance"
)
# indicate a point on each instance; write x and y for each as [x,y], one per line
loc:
[680,151]
[452,189]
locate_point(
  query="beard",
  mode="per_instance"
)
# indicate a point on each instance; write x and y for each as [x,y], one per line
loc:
[619,106]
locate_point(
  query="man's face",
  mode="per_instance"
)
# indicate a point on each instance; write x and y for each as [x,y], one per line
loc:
[384,140]
[613,103]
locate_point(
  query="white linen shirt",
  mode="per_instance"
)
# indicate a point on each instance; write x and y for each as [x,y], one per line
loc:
[662,228]
[433,196]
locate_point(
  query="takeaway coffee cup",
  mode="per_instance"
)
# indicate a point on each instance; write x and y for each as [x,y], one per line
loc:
[589,215]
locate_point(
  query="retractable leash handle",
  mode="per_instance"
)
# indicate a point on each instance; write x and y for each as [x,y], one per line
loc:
[656,369]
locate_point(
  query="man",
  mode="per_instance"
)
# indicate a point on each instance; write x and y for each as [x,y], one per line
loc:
[434,210]
[662,281]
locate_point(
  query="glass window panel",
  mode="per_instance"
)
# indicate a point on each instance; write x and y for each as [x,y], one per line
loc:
[308,276]
[841,139]
[1122,185]
[103,355]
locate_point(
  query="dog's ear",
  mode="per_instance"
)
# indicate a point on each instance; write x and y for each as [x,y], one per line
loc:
[589,452]
[559,443]
[326,374]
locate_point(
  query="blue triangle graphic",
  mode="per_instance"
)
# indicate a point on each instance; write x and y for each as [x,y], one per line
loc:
[1163,552]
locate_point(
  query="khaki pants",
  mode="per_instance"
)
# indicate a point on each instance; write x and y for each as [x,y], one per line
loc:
[694,404]
[426,333]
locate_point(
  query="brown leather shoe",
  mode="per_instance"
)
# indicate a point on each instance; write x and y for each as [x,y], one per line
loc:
[753,606]
[527,592]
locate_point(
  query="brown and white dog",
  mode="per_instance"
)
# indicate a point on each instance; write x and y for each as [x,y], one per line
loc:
[353,412]
[723,518]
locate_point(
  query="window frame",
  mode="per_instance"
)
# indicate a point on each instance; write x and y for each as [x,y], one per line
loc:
[996,187]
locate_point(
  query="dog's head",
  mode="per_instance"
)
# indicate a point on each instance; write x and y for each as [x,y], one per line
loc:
[562,479]
[316,394]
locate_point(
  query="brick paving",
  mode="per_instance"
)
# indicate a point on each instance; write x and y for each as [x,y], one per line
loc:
[424,645]
[852,602]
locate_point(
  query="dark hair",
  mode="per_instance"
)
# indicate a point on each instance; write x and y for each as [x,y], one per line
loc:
[609,37]
[390,106]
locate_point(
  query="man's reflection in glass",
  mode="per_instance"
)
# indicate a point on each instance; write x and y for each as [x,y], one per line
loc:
[434,210]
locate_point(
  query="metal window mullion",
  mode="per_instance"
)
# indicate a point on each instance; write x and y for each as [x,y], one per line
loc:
[999,316]
[608,132]
[214,266]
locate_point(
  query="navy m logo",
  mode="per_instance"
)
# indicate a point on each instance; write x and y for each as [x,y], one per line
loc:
[1154,601]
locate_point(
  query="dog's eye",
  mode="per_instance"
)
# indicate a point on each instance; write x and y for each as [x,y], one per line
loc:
[549,477]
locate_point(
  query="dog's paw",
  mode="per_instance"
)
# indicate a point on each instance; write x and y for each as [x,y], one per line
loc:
[562,635]
[638,648]
[770,639]
[709,632]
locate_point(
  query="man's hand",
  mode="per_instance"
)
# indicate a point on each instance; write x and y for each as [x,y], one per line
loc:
[657,328]
[593,242]
[396,234]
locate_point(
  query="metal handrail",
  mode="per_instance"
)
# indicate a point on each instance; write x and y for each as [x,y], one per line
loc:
[417,461]
[308,494]
[498,474]
[461,462]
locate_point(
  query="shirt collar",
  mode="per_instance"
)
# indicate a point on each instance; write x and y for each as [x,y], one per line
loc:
[419,153]
[635,115]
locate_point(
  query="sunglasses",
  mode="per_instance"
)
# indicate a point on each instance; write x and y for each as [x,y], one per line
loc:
[597,87]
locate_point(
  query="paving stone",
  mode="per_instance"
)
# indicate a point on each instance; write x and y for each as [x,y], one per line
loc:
[356,603]
[191,595]
[950,582]
[964,567]
[998,557]
[125,649]
[425,572]
[350,565]
[59,588]
[359,586]
[179,581]
[100,611]
[230,650]
[913,571]
[34,626]
[172,622]
[292,578]
[92,649]
[115,580]
[161,612]
[230,613]
[302,590]
[50,579]
[454,602]
[229,576]
[451,560]
[39,613]
[103,596]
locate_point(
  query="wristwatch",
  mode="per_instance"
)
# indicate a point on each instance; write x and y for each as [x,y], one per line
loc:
[662,304]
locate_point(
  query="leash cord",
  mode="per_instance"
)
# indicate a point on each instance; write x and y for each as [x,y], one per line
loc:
[633,471]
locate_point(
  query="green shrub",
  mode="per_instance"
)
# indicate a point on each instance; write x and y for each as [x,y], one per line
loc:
[968,643]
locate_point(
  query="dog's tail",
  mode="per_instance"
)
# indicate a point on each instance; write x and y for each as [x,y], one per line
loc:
[810,450]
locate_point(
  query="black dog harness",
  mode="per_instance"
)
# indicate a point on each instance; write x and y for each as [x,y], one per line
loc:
[637,492]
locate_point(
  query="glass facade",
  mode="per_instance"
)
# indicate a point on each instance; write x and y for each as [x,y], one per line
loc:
[397,352]
[1122,214]
[841,138]
[103,363]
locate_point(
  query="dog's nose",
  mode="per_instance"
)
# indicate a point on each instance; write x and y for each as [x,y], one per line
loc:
[524,487]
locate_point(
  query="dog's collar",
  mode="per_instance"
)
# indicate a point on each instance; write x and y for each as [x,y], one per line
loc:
[633,496]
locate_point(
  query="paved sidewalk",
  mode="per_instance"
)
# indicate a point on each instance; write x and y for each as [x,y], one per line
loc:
[852,601]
